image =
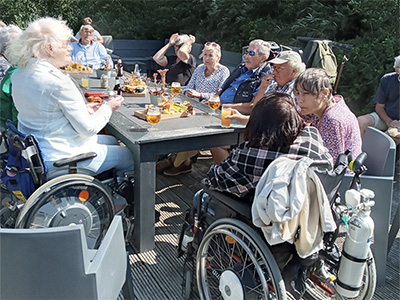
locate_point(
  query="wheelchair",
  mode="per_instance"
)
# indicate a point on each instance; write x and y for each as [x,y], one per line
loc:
[232,260]
[33,198]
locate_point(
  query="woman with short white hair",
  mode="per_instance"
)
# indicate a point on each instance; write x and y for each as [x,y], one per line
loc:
[208,77]
[53,109]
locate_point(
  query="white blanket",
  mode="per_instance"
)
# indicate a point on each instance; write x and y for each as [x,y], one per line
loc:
[290,195]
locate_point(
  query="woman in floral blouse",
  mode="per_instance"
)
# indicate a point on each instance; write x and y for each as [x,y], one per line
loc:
[334,120]
[208,77]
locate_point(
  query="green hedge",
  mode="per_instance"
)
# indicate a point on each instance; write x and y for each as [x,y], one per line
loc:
[371,26]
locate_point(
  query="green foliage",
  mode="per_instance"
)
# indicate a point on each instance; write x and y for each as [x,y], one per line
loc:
[371,26]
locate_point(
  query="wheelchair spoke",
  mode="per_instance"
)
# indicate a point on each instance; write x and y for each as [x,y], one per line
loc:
[70,199]
[231,264]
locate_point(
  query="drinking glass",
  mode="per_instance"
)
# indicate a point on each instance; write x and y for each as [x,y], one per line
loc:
[85,82]
[225,111]
[153,116]
[214,103]
[176,88]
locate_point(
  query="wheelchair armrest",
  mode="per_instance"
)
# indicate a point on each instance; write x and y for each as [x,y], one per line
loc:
[241,206]
[72,161]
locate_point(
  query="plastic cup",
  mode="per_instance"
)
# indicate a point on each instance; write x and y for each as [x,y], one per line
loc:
[154,100]
[225,111]
[85,82]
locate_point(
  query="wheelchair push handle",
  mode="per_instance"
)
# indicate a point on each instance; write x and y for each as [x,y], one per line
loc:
[357,165]
[322,164]
[11,135]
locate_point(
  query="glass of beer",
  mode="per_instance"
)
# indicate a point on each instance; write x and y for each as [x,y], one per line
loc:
[176,88]
[225,111]
[85,82]
[214,103]
[153,116]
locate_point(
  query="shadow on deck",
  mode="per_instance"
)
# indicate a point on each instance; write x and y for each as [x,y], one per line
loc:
[157,274]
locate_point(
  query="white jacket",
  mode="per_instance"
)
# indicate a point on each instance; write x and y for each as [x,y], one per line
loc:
[53,109]
[288,195]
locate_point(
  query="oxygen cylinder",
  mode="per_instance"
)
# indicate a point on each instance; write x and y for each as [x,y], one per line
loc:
[355,250]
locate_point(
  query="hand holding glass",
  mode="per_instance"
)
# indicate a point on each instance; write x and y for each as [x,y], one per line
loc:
[153,116]
[214,103]
[225,111]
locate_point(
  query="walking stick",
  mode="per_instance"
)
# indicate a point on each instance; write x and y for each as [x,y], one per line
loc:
[345,59]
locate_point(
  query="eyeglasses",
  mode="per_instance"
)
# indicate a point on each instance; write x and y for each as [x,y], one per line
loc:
[277,68]
[251,53]
[212,44]
[89,32]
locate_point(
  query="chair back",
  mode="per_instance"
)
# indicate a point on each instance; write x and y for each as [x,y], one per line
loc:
[55,263]
[381,151]
[108,42]
[44,264]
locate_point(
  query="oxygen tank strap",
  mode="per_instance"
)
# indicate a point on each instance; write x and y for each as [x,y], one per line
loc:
[352,258]
[347,287]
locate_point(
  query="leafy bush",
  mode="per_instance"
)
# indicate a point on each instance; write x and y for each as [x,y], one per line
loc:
[371,26]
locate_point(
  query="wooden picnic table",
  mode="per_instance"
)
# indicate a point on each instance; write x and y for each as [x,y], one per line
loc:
[200,131]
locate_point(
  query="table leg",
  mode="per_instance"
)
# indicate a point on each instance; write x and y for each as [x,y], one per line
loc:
[145,186]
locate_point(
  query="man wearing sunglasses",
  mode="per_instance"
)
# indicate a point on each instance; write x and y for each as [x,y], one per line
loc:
[245,80]
[286,67]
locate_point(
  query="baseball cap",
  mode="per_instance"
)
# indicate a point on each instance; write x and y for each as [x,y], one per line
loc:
[285,56]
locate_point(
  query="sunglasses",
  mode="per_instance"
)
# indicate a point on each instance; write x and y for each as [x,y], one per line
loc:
[212,44]
[251,53]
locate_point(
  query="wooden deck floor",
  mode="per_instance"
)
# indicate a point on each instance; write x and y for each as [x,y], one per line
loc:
[157,274]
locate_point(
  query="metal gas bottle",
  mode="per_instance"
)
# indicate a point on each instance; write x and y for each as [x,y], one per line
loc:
[356,247]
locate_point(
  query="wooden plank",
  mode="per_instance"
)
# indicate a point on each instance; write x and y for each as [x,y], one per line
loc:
[158,273]
[141,94]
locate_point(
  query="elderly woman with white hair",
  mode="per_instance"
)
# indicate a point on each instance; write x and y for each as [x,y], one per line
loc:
[53,109]
[7,34]
[208,77]
[181,65]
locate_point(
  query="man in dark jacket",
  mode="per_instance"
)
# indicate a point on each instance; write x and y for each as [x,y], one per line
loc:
[245,80]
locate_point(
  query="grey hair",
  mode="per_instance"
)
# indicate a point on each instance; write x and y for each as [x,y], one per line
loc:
[264,48]
[396,62]
[80,29]
[314,81]
[35,40]
[297,66]
[7,34]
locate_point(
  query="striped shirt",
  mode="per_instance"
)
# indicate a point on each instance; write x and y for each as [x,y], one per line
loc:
[287,88]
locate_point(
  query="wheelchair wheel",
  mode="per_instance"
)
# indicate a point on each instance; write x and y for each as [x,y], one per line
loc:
[67,200]
[320,287]
[233,262]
